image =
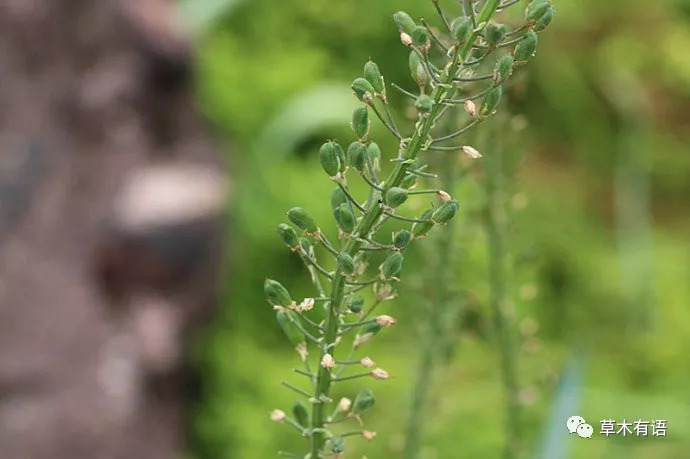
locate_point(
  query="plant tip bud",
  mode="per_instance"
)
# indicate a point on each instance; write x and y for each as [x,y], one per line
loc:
[385,321]
[366,362]
[471,152]
[344,404]
[380,374]
[444,196]
[278,416]
[327,361]
[470,108]
[405,39]
[368,435]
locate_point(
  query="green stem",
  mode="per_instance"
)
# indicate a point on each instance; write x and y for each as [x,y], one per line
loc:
[501,318]
[373,213]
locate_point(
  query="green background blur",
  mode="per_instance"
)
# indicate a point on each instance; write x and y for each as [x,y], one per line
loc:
[598,213]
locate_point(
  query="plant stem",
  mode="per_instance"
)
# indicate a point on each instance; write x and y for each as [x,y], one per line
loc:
[503,326]
[373,213]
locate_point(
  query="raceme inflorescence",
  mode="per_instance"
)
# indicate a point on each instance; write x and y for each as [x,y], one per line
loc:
[464,63]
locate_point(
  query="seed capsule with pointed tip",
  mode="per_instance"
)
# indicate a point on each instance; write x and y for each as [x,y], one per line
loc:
[357,155]
[374,155]
[461,28]
[373,75]
[363,90]
[526,47]
[420,37]
[401,239]
[424,103]
[345,218]
[346,264]
[285,320]
[360,122]
[302,219]
[536,10]
[417,70]
[420,229]
[491,100]
[301,413]
[494,33]
[503,68]
[330,158]
[404,22]
[363,402]
[276,294]
[395,196]
[545,20]
[288,235]
[355,304]
[445,211]
[338,197]
[337,444]
[392,265]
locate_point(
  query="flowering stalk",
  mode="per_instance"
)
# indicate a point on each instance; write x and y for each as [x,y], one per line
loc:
[472,39]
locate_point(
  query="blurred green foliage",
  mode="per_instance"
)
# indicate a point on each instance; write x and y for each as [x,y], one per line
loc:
[610,77]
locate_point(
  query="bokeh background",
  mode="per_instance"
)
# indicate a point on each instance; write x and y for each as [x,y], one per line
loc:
[595,195]
[599,263]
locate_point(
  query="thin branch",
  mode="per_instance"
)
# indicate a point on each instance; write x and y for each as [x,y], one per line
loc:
[351,198]
[473,123]
[463,100]
[370,182]
[436,39]
[405,219]
[404,92]
[296,389]
[441,15]
[393,130]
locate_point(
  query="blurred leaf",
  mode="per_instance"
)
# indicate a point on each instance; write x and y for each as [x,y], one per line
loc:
[307,114]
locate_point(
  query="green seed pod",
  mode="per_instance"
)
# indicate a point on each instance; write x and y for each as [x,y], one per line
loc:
[445,211]
[409,181]
[392,266]
[494,33]
[330,158]
[289,328]
[395,196]
[357,155]
[306,246]
[302,219]
[360,122]
[355,304]
[545,19]
[301,413]
[491,100]
[276,294]
[401,239]
[536,10]
[417,70]
[363,90]
[345,218]
[288,235]
[338,197]
[374,155]
[526,47]
[424,103]
[420,37]
[371,329]
[461,28]
[503,69]
[420,229]
[404,22]
[346,264]
[363,402]
[373,75]
[337,444]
